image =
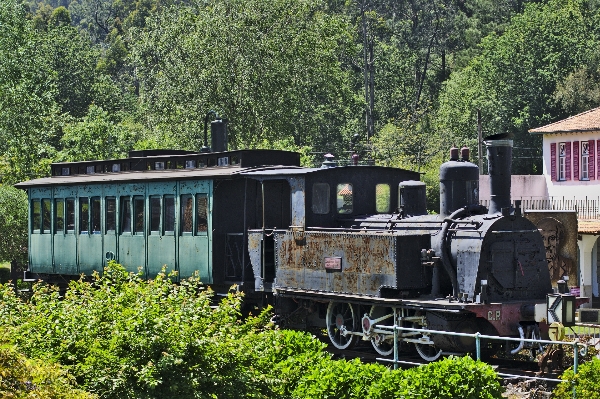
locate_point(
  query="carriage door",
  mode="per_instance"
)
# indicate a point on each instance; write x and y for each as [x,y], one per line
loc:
[194,229]
[161,231]
[131,225]
[90,251]
[40,254]
[65,237]
[110,223]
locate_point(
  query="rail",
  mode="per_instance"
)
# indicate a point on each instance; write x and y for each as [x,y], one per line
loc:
[577,347]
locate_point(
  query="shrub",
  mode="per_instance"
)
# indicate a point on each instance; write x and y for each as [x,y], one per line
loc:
[586,382]
[339,379]
[122,336]
[22,378]
[454,377]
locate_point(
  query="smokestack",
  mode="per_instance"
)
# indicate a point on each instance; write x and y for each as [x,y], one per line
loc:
[218,135]
[499,152]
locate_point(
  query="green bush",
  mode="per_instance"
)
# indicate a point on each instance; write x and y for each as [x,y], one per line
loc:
[122,337]
[586,382]
[339,379]
[454,377]
[21,378]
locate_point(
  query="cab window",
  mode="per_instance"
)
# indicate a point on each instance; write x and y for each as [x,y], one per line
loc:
[344,198]
[382,198]
[320,198]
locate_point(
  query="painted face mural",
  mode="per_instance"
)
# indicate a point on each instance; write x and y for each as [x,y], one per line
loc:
[553,233]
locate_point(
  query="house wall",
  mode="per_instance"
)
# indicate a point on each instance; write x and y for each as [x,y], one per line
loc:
[522,186]
[575,187]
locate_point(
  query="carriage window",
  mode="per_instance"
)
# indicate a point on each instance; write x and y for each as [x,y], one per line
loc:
[125,215]
[344,198]
[70,215]
[95,205]
[84,215]
[36,220]
[201,214]
[46,221]
[59,215]
[111,214]
[169,222]
[138,211]
[187,205]
[155,214]
[382,198]
[320,198]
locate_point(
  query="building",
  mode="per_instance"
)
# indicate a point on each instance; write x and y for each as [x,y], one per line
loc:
[571,170]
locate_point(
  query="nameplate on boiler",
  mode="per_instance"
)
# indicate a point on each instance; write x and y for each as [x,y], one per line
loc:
[333,263]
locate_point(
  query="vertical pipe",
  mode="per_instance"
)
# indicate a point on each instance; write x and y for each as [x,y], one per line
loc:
[395,339]
[264,266]
[575,363]
[262,189]
[478,345]
[479,142]
[245,230]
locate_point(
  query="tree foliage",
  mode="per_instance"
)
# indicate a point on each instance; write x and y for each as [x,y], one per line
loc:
[271,67]
[514,79]
[24,378]
[13,225]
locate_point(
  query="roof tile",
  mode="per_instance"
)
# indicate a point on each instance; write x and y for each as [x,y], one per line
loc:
[583,122]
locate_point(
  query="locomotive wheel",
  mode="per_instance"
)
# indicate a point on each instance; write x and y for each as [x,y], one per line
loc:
[341,322]
[428,352]
[383,343]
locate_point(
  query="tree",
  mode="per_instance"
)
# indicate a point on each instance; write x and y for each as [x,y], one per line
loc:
[96,136]
[514,79]
[13,224]
[271,67]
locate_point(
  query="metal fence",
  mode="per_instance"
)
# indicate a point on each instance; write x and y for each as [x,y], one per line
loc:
[587,208]
[578,348]
[584,332]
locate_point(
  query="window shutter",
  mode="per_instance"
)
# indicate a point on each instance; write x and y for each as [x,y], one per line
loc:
[591,160]
[598,159]
[553,161]
[568,160]
[576,160]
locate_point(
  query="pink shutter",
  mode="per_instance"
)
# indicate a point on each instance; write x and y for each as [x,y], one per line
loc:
[598,159]
[553,161]
[576,160]
[591,160]
[568,160]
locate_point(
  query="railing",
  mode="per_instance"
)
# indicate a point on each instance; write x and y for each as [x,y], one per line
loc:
[578,348]
[588,333]
[588,208]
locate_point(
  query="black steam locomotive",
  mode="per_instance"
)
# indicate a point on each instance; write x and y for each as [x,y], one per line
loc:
[344,248]
[467,269]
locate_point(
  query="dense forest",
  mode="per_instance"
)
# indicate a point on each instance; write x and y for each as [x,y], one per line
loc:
[397,81]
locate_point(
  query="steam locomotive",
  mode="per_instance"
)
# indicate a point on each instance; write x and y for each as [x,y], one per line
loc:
[345,248]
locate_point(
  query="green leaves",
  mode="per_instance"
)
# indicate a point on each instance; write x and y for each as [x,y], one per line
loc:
[271,67]
[13,224]
[514,79]
[586,382]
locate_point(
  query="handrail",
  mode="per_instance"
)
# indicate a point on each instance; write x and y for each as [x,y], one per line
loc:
[577,347]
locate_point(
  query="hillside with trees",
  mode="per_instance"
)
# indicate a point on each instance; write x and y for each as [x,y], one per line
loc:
[397,81]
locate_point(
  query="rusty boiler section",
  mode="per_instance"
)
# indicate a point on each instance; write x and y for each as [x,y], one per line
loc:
[374,265]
